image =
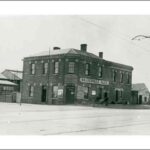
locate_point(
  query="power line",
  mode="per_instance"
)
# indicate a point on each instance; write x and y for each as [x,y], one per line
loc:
[121,35]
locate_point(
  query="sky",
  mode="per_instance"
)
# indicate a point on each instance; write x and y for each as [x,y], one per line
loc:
[22,36]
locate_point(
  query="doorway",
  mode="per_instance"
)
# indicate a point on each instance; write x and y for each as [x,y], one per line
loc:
[44,94]
[117,95]
[140,99]
[70,94]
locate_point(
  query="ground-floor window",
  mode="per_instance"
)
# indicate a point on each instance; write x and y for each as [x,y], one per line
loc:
[31,90]
[55,91]
[86,92]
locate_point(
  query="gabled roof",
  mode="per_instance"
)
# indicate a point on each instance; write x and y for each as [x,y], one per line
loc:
[4,82]
[12,74]
[139,87]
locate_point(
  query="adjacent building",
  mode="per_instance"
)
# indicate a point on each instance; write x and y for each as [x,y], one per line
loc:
[140,94]
[71,76]
[7,89]
[14,76]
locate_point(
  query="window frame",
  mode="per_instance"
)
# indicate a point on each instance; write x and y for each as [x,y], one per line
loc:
[31,91]
[71,67]
[54,93]
[121,77]
[56,67]
[114,75]
[45,67]
[100,71]
[87,69]
[32,68]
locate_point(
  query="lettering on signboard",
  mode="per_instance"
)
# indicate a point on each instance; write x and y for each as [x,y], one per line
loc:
[94,81]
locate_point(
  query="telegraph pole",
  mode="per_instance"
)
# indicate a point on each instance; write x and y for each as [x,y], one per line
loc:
[48,88]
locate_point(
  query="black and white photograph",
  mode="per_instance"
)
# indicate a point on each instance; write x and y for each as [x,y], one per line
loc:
[74,75]
[74,79]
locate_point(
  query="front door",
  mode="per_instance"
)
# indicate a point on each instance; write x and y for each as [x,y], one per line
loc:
[117,95]
[43,94]
[140,99]
[70,94]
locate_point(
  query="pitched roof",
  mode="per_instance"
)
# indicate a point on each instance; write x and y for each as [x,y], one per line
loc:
[77,52]
[64,51]
[4,82]
[12,74]
[139,87]
[2,76]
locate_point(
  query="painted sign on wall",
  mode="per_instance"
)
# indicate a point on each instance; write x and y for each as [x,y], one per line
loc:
[94,81]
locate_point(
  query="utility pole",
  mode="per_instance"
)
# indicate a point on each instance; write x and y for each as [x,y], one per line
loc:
[48,74]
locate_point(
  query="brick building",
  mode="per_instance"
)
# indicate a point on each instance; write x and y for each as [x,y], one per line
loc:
[67,76]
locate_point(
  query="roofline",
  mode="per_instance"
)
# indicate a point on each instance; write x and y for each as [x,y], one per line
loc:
[98,58]
[13,70]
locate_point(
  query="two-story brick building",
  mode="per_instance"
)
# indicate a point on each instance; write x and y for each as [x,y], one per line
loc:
[67,76]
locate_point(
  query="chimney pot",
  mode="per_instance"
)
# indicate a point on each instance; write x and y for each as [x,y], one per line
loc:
[101,55]
[56,48]
[83,47]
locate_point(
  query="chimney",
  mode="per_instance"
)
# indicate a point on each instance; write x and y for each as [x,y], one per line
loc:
[83,47]
[56,48]
[101,55]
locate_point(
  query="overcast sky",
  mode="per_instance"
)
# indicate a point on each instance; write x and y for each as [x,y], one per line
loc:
[21,36]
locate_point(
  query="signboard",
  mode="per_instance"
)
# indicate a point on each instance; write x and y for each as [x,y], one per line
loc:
[94,81]
[93,92]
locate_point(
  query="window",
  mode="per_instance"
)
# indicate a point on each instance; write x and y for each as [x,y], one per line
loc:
[71,67]
[32,68]
[56,67]
[31,91]
[55,91]
[121,77]
[128,78]
[100,71]
[87,69]
[86,92]
[45,68]
[114,75]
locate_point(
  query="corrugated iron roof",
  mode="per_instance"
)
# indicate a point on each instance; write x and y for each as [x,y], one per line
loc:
[12,74]
[4,82]
[139,87]
[2,76]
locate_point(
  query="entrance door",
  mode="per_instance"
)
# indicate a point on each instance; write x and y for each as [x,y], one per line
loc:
[70,94]
[117,95]
[44,91]
[140,99]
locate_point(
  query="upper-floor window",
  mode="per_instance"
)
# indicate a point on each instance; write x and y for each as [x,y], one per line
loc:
[128,78]
[31,91]
[56,67]
[45,68]
[114,75]
[121,77]
[71,67]
[32,68]
[100,72]
[87,69]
